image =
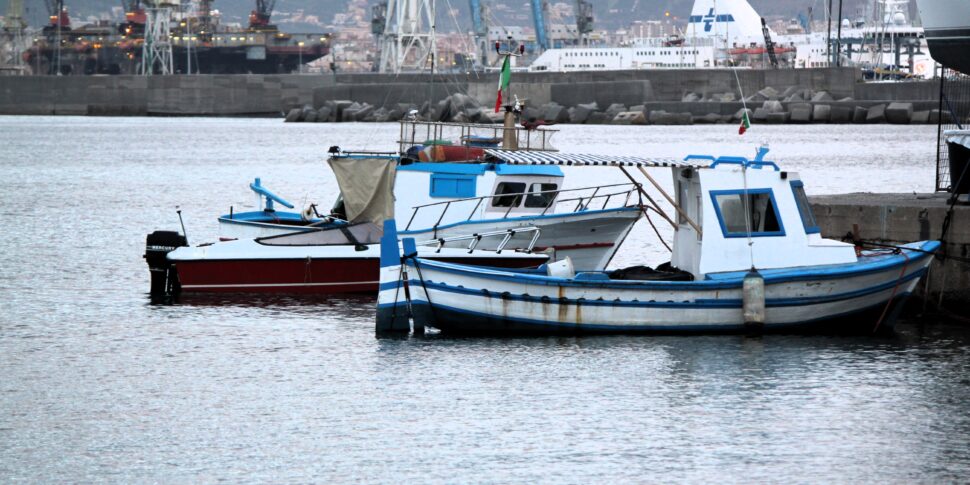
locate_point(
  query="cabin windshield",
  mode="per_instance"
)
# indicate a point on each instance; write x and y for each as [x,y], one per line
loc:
[541,195]
[508,200]
[762,214]
[804,208]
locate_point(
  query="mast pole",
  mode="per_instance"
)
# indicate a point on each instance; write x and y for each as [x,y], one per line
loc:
[433,53]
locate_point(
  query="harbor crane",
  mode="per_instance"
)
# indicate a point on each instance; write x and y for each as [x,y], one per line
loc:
[480,29]
[769,45]
[539,10]
[259,18]
[135,18]
[584,20]
[408,41]
[13,40]
[58,17]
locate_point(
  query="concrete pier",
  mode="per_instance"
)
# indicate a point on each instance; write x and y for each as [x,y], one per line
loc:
[901,218]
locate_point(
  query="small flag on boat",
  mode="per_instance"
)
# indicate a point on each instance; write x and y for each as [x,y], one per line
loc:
[503,82]
[745,122]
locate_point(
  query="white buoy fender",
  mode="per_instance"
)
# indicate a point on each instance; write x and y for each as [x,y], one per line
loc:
[753,298]
[561,269]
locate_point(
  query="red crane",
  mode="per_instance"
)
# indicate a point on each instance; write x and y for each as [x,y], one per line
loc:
[259,18]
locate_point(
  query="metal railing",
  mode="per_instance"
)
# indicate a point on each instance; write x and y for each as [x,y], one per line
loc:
[582,203]
[954,112]
[506,234]
[415,132]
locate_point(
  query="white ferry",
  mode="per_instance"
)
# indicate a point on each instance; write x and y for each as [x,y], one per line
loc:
[729,33]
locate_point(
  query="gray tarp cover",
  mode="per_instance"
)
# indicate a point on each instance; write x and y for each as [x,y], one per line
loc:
[367,185]
[960,137]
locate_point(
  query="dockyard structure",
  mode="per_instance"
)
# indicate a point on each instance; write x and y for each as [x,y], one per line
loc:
[168,39]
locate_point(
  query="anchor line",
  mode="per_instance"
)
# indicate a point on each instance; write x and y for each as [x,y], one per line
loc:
[417,266]
[646,216]
[397,291]
[937,253]
[747,213]
[889,302]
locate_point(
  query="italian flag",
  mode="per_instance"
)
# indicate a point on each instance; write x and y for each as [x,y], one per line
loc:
[503,82]
[745,123]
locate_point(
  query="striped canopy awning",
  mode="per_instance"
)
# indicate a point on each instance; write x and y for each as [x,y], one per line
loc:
[517,157]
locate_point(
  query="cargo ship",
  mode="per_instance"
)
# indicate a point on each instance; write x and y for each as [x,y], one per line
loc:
[199,45]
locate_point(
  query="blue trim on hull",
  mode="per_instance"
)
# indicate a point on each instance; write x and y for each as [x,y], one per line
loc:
[454,320]
[714,282]
[699,303]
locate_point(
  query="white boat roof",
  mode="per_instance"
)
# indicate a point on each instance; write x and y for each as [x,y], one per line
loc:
[558,158]
[960,137]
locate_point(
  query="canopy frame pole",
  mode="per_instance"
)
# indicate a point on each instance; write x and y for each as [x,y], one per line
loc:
[655,207]
[672,202]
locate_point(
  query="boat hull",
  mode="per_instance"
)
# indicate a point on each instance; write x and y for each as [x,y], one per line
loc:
[851,297]
[946,25]
[304,270]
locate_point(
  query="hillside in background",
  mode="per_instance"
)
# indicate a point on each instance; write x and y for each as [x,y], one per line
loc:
[318,15]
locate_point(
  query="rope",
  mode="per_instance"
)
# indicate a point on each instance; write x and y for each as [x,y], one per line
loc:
[655,230]
[938,253]
[889,302]
[417,266]
[747,213]
[397,291]
[744,105]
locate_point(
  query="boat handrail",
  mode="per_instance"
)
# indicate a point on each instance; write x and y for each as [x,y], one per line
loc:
[580,206]
[757,162]
[414,132]
[475,238]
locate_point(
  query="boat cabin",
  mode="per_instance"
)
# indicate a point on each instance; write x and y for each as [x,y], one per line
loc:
[771,227]
[440,193]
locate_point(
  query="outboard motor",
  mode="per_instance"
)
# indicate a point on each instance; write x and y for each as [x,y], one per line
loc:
[157,246]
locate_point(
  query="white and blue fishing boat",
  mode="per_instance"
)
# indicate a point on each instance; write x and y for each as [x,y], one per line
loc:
[746,254]
[463,202]
[444,191]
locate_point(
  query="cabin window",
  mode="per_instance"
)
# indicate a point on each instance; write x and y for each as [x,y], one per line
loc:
[762,213]
[452,185]
[508,200]
[540,195]
[804,208]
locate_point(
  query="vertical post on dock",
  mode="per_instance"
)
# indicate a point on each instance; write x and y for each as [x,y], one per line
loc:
[838,42]
[509,139]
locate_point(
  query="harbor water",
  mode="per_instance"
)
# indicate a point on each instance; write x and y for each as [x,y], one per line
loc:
[99,385]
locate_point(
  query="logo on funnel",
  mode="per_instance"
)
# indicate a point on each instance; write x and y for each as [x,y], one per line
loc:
[710,18]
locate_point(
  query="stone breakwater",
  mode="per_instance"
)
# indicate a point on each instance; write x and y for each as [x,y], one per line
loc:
[660,97]
[689,96]
[772,109]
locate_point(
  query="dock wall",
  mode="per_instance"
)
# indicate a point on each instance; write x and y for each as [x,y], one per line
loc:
[902,218]
[201,95]
[696,92]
